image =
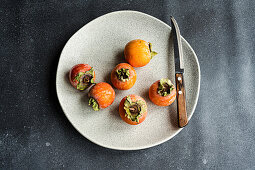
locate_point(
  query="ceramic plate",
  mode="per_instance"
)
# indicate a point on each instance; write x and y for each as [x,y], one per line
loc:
[100,43]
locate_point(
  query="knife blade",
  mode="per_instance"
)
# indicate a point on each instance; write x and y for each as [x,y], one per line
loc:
[179,71]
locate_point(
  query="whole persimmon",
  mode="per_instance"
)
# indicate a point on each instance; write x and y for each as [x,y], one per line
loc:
[123,76]
[101,96]
[82,76]
[133,109]
[138,53]
[162,92]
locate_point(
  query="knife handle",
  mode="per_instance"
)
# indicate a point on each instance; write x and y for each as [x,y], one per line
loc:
[181,101]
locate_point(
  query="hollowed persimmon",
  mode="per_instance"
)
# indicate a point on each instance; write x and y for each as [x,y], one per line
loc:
[133,109]
[82,76]
[162,92]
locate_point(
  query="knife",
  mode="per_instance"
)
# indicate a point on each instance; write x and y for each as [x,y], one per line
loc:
[179,71]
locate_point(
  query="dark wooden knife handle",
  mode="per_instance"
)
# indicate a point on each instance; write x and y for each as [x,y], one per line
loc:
[181,101]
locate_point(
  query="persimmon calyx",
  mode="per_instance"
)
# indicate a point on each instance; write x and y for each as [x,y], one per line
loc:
[94,104]
[153,53]
[165,87]
[123,74]
[134,110]
[85,79]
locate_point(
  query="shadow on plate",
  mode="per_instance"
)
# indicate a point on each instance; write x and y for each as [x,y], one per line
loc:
[119,58]
[172,107]
[173,114]
[114,111]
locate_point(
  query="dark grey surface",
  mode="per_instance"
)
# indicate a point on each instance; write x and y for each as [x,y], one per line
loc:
[35,134]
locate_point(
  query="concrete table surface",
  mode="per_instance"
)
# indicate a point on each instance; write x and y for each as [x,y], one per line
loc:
[34,132]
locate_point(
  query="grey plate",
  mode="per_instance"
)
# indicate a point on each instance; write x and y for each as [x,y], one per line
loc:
[100,43]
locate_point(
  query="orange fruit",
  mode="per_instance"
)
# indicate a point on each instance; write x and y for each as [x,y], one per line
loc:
[101,96]
[133,109]
[123,76]
[162,92]
[82,76]
[138,53]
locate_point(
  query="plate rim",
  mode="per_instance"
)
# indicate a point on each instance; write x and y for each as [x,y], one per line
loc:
[144,146]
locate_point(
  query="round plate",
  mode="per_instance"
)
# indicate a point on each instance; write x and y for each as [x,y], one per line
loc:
[100,43]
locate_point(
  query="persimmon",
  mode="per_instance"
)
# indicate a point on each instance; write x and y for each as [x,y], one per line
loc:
[123,76]
[162,92]
[82,76]
[133,109]
[138,53]
[101,96]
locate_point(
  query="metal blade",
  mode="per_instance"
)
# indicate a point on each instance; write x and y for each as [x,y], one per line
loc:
[178,53]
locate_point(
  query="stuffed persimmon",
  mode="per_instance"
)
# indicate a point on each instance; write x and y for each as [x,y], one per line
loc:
[101,96]
[133,109]
[138,53]
[82,76]
[123,76]
[162,92]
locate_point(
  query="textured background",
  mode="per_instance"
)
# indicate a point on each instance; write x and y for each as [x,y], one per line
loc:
[34,133]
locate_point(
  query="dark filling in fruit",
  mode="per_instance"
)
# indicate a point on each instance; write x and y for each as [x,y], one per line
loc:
[134,110]
[165,87]
[85,79]
[123,74]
